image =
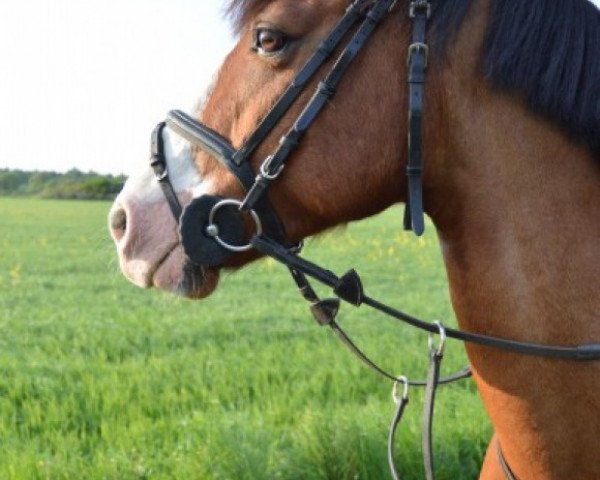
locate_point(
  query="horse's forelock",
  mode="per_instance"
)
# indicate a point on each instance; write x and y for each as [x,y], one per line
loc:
[240,11]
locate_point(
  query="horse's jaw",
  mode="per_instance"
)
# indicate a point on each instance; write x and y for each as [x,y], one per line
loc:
[198,282]
[178,275]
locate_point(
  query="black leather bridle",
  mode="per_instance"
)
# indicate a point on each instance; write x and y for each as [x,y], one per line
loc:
[213,228]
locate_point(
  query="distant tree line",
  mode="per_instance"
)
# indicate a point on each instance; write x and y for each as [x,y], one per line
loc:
[73,184]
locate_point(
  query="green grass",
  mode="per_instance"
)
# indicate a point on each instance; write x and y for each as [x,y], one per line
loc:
[101,380]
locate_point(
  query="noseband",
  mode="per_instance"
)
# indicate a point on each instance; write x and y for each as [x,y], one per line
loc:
[213,228]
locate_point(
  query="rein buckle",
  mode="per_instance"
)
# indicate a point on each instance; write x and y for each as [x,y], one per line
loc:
[265,169]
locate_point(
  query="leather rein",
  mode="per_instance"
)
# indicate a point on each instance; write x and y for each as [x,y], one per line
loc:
[213,228]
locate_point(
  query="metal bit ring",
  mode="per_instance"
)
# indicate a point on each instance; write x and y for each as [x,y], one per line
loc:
[212,230]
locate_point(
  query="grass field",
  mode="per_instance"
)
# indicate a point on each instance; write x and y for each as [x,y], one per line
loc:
[101,380]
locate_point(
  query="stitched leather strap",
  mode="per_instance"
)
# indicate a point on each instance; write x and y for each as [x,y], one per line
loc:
[435,360]
[400,407]
[158,163]
[211,142]
[417,63]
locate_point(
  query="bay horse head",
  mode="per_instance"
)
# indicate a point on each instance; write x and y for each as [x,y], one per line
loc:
[291,142]
[319,191]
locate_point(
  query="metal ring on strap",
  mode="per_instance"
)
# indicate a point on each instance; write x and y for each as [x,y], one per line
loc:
[212,230]
[401,380]
[442,345]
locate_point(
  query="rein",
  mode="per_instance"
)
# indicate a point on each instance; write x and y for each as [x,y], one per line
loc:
[212,228]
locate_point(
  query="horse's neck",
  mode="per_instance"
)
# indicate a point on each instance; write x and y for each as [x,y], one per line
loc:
[517,207]
[523,222]
[516,203]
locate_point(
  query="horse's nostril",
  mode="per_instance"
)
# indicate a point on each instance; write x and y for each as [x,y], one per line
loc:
[118,223]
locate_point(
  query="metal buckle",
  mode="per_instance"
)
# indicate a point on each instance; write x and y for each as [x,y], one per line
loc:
[162,177]
[159,169]
[297,249]
[266,165]
[418,5]
[415,48]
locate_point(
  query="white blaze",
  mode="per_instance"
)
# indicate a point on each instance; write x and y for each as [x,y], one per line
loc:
[143,187]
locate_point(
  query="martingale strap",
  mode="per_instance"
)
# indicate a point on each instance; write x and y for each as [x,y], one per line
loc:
[401,403]
[435,361]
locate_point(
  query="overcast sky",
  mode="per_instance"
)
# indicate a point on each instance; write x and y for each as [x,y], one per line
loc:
[84,81]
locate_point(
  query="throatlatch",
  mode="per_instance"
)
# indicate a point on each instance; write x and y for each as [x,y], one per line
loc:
[418,53]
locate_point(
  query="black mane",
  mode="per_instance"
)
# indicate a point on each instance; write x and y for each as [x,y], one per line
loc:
[547,51]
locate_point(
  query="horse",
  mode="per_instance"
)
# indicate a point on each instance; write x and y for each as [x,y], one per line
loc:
[511,152]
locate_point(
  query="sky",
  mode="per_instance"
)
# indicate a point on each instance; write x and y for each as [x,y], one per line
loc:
[83,82]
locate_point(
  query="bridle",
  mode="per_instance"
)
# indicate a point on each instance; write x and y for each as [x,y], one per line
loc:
[213,228]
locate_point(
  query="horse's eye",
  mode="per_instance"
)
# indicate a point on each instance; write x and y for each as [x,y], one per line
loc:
[269,42]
